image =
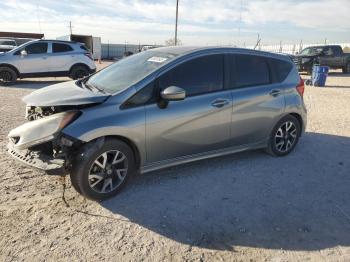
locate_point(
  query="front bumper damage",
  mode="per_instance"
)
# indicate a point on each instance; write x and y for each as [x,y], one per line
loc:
[36,159]
[41,144]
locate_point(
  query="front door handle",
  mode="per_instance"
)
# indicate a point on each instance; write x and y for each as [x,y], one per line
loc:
[275,92]
[220,102]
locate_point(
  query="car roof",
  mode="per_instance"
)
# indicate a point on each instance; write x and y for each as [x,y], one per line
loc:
[54,41]
[185,50]
[60,41]
[321,46]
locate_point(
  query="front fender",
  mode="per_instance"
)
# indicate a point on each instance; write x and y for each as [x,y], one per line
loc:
[108,120]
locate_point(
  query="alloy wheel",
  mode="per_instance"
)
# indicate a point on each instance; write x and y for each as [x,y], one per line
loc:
[285,136]
[108,171]
[5,76]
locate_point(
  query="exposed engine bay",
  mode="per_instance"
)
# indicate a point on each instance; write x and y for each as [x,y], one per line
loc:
[37,112]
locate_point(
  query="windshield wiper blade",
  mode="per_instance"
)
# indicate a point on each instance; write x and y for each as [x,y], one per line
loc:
[91,87]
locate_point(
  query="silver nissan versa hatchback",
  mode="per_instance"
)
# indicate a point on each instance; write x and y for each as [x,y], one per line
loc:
[160,108]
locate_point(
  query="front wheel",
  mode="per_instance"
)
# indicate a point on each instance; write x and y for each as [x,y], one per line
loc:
[346,69]
[284,136]
[7,75]
[100,172]
[78,72]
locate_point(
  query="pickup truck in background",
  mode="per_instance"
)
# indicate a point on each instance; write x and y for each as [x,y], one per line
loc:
[327,55]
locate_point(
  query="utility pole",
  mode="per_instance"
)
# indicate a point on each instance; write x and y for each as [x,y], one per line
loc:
[177,15]
[37,14]
[70,27]
[257,42]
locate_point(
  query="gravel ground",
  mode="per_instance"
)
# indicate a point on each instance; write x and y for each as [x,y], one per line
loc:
[244,207]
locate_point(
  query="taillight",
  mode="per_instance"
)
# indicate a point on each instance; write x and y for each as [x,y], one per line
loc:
[89,56]
[301,87]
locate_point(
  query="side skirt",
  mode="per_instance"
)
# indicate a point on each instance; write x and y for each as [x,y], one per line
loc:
[45,74]
[191,158]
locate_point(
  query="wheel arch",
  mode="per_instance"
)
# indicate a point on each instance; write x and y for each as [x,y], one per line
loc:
[127,141]
[78,64]
[300,120]
[12,67]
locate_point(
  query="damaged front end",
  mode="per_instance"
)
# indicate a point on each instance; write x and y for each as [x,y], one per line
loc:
[39,142]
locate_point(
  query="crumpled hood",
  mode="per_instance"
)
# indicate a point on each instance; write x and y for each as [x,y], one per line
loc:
[64,94]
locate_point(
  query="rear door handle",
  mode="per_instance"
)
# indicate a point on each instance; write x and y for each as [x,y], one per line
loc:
[220,102]
[275,92]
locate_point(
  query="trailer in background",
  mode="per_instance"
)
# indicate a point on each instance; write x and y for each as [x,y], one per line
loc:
[93,43]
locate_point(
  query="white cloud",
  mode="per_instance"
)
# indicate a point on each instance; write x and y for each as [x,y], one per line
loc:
[319,15]
[206,21]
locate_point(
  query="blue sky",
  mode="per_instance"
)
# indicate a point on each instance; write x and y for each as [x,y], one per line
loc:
[201,22]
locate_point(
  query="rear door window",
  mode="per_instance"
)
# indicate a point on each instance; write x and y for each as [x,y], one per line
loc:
[250,70]
[198,76]
[337,51]
[59,48]
[328,51]
[36,48]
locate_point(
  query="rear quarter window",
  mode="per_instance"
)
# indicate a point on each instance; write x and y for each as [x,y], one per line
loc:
[279,69]
[84,48]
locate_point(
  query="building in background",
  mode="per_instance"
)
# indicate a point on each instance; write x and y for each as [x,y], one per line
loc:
[21,38]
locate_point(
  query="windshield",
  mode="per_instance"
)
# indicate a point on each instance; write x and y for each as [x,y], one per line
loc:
[7,42]
[312,51]
[129,71]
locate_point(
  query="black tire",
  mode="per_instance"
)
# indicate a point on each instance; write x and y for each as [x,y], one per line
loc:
[309,70]
[275,139]
[85,163]
[7,76]
[346,68]
[78,72]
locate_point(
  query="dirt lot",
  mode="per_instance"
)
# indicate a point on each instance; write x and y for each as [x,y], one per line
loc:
[244,207]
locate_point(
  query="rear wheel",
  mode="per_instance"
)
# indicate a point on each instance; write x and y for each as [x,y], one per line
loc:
[7,75]
[78,72]
[284,136]
[101,172]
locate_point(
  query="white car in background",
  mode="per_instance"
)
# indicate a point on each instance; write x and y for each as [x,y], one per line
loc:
[7,44]
[46,58]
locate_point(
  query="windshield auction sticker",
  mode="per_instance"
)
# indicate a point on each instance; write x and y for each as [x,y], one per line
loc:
[157,59]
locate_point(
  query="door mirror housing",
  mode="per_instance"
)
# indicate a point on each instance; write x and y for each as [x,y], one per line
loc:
[173,93]
[24,53]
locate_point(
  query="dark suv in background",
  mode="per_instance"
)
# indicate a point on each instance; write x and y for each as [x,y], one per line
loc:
[328,55]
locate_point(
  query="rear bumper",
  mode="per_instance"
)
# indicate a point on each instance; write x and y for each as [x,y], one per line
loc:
[37,159]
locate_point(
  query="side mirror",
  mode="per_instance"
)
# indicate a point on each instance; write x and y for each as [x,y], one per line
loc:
[24,53]
[173,93]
